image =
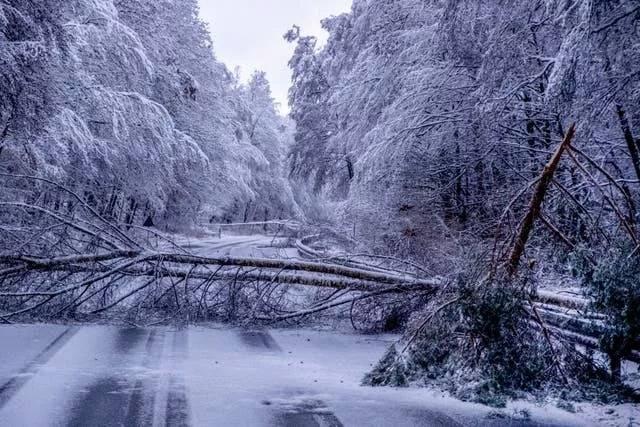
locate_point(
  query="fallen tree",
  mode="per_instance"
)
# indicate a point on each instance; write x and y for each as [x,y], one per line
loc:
[69,261]
[492,335]
[191,268]
[66,259]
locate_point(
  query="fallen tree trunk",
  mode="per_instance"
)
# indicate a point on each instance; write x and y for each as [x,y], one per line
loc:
[535,205]
[74,262]
[252,276]
[86,272]
[632,145]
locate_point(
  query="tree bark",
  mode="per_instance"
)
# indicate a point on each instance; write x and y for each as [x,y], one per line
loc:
[536,202]
[632,144]
[615,363]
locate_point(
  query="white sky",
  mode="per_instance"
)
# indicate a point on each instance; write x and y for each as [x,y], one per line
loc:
[248,34]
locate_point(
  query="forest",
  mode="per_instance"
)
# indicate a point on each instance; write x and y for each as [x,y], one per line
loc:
[465,174]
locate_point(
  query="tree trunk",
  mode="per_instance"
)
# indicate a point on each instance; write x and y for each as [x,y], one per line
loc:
[632,144]
[131,213]
[536,202]
[615,364]
[461,207]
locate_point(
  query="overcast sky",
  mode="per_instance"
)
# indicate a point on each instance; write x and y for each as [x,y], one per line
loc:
[248,33]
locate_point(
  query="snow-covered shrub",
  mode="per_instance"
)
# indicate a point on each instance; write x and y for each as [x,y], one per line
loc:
[613,289]
[482,342]
[391,370]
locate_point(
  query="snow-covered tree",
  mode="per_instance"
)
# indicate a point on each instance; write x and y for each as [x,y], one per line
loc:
[424,118]
[125,102]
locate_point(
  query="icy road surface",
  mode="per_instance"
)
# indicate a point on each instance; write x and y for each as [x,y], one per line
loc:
[213,376]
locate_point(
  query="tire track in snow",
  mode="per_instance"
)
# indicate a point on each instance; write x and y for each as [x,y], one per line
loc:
[111,401]
[214,247]
[177,407]
[11,387]
[141,403]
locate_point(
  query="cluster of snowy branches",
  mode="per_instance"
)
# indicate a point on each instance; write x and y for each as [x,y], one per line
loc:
[74,262]
[422,119]
[125,102]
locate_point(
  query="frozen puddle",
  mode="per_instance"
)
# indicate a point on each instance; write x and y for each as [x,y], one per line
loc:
[214,376]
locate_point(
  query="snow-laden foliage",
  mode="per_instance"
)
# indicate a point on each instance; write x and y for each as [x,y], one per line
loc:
[614,290]
[125,102]
[482,349]
[260,126]
[443,129]
[423,119]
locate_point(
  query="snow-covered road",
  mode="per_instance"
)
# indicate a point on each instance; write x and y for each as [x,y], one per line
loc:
[257,245]
[212,376]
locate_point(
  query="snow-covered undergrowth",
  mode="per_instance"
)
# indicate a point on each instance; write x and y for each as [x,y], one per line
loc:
[483,343]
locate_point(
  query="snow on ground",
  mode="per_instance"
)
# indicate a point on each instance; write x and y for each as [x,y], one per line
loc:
[236,245]
[215,375]
[203,376]
[23,343]
[47,397]
[308,371]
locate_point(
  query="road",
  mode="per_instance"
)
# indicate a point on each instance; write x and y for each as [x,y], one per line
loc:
[212,376]
[100,375]
[237,246]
